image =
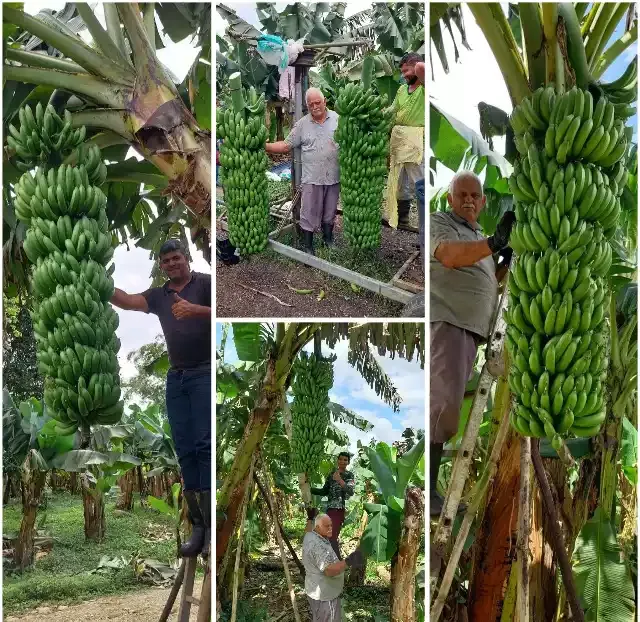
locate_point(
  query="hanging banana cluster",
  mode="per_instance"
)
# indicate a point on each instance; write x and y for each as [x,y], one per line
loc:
[244,164]
[69,244]
[310,410]
[566,185]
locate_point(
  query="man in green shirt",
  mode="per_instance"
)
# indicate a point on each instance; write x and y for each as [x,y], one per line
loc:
[409,109]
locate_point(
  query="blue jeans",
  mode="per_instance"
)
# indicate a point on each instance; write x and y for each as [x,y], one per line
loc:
[421,211]
[189,411]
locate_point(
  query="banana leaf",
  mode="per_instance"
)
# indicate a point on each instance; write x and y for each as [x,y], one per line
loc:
[603,578]
[382,534]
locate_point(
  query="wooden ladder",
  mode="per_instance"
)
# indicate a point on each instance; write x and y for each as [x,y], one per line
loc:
[185,579]
[492,369]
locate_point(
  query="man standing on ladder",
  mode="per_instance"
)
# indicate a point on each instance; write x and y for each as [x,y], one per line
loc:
[183,306]
[407,141]
[320,180]
[465,269]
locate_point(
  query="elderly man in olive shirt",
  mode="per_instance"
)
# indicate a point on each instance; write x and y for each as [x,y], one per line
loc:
[183,306]
[464,294]
[320,178]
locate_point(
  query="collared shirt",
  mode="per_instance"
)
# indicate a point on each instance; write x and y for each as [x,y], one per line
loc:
[465,297]
[409,107]
[319,151]
[189,339]
[317,554]
[336,494]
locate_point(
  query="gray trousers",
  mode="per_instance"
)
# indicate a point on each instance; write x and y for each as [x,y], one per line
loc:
[325,610]
[319,205]
[409,175]
[453,352]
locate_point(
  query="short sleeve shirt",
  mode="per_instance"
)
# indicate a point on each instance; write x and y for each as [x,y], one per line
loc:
[317,554]
[189,339]
[319,151]
[465,297]
[409,107]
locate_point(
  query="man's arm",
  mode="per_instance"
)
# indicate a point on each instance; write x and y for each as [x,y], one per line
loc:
[282,146]
[335,569]
[461,254]
[420,70]
[129,302]
[183,308]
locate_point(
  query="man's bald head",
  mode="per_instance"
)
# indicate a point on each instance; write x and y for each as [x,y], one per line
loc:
[466,196]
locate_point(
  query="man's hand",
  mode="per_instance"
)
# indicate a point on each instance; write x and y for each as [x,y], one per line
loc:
[337,478]
[355,559]
[500,238]
[182,308]
[311,513]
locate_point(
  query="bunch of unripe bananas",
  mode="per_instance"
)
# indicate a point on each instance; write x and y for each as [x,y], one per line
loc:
[69,245]
[313,379]
[567,186]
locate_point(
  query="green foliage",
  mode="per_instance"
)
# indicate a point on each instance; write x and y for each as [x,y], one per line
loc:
[62,576]
[20,373]
[603,580]
[148,383]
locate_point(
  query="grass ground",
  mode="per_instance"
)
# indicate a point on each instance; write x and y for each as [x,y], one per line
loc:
[63,575]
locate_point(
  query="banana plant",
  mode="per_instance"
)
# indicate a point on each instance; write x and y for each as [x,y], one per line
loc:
[123,94]
[393,474]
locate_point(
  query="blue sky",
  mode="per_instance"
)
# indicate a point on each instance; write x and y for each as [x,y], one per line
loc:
[351,391]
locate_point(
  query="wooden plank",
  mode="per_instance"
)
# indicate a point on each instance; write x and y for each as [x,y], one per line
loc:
[405,266]
[373,285]
[277,232]
[410,287]
[187,590]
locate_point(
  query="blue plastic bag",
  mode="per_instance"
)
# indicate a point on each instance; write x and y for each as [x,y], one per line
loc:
[273,51]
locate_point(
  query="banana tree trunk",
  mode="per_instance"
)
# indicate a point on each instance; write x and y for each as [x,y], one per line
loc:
[94,519]
[403,585]
[496,537]
[32,486]
[125,499]
[73,483]
[232,493]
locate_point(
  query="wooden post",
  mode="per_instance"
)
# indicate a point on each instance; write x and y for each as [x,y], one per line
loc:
[524,529]
[296,162]
[247,496]
[271,503]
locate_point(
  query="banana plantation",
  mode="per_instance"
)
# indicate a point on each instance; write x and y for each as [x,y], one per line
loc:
[545,457]
[103,146]
[265,246]
[279,433]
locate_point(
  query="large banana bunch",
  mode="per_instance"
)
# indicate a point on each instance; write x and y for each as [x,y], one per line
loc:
[362,134]
[566,185]
[312,382]
[69,244]
[624,91]
[244,164]
[42,136]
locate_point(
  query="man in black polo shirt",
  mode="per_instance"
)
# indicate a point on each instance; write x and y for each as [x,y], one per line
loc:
[183,306]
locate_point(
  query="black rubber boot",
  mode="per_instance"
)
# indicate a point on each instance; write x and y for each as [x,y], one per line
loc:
[403,213]
[308,242]
[193,546]
[436,501]
[327,233]
[205,506]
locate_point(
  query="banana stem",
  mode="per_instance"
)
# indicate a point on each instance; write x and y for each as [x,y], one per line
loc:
[551,49]
[35,59]
[599,28]
[235,86]
[609,30]
[615,50]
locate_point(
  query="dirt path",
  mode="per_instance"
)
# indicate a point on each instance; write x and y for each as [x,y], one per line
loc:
[141,606]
